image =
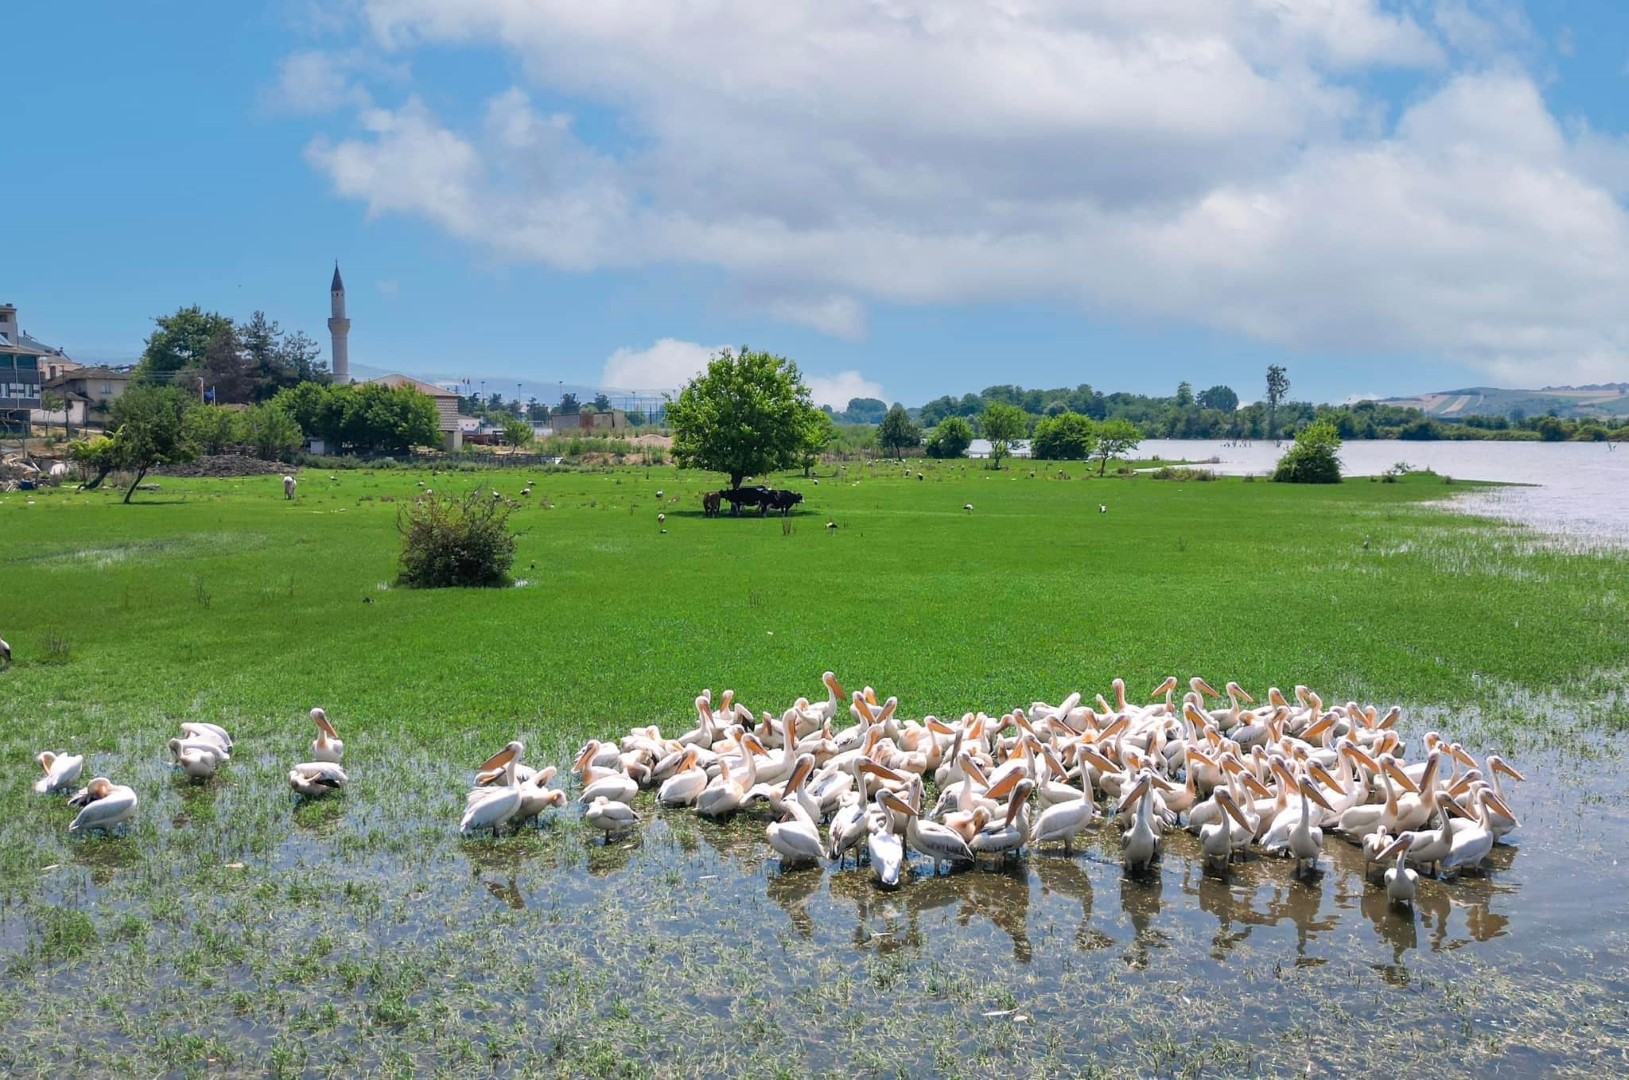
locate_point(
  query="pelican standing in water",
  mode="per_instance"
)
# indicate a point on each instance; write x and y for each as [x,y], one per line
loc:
[61,770]
[1140,843]
[490,807]
[327,746]
[1306,839]
[610,817]
[797,838]
[106,805]
[1401,882]
[882,843]
[938,842]
[1216,838]
[197,758]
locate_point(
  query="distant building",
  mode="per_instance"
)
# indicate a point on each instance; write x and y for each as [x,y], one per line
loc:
[19,375]
[452,434]
[585,423]
[339,329]
[89,391]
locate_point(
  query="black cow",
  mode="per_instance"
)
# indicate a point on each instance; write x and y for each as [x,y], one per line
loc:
[748,497]
[782,501]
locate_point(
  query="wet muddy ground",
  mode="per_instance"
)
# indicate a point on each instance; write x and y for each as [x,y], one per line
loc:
[232,930]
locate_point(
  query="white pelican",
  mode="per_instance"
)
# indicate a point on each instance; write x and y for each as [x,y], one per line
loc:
[688,782]
[1061,821]
[327,746]
[882,843]
[61,770]
[1008,836]
[1360,821]
[490,807]
[938,842]
[1216,839]
[1401,882]
[724,796]
[313,779]
[1500,823]
[1140,844]
[1306,839]
[797,839]
[835,696]
[1470,846]
[610,816]
[107,804]
[536,796]
[196,757]
[600,781]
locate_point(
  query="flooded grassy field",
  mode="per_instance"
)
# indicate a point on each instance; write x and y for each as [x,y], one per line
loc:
[233,930]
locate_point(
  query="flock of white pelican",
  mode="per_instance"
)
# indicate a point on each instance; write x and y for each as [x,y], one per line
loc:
[1271,780]
[199,753]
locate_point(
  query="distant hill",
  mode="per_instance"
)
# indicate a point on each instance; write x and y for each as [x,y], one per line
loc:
[1572,402]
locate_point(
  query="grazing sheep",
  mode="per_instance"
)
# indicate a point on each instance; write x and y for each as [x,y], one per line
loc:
[289,484]
[968,507]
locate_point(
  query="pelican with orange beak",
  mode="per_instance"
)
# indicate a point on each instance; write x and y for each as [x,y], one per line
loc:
[326,747]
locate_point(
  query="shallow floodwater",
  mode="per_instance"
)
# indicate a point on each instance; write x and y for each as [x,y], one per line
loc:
[361,931]
[1580,489]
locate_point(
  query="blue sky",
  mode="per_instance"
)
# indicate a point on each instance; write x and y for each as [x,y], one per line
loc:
[1384,197]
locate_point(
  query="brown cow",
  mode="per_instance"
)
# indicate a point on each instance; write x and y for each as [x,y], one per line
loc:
[710,502]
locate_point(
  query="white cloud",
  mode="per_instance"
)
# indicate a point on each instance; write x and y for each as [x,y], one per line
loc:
[836,390]
[314,82]
[666,365]
[1215,162]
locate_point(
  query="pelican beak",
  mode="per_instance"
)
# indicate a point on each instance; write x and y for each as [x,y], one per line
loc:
[1131,798]
[830,679]
[800,773]
[1318,728]
[871,697]
[1495,803]
[1315,795]
[1203,687]
[1004,786]
[1455,808]
[1193,714]
[1323,776]
[898,805]
[45,759]
[882,771]
[1163,688]
[938,726]
[507,754]
[1363,759]
[1276,696]
[1400,845]
[1227,803]
[1096,760]
[321,719]
[1257,788]
[888,708]
[1401,777]
[1239,690]
[1499,766]
[1022,721]
[1462,757]
[1114,729]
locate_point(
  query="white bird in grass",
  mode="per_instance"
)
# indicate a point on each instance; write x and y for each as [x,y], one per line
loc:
[968,507]
[200,729]
[314,779]
[610,816]
[106,804]
[198,758]
[61,770]
[326,746]
[491,807]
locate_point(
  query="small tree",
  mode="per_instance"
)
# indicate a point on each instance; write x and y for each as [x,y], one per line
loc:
[1313,459]
[150,428]
[897,433]
[951,438]
[51,401]
[455,541]
[99,455]
[1003,425]
[517,433]
[1066,437]
[1115,438]
[1278,384]
[271,433]
[817,437]
[748,413]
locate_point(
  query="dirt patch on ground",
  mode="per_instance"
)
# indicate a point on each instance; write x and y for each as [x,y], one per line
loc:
[227,465]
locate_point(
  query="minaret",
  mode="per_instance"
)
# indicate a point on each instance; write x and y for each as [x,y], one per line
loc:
[340,329]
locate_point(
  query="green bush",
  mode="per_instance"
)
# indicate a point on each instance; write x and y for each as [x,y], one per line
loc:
[1313,458]
[455,541]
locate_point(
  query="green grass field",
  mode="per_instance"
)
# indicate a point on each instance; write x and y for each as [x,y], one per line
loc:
[231,931]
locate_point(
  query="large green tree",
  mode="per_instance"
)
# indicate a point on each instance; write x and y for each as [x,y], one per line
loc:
[747,414]
[1219,397]
[1003,425]
[150,428]
[1115,438]
[1065,437]
[366,418]
[179,342]
[897,433]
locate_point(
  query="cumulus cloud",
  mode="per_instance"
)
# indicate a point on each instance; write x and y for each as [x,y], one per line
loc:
[666,365]
[1217,162]
[836,390]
